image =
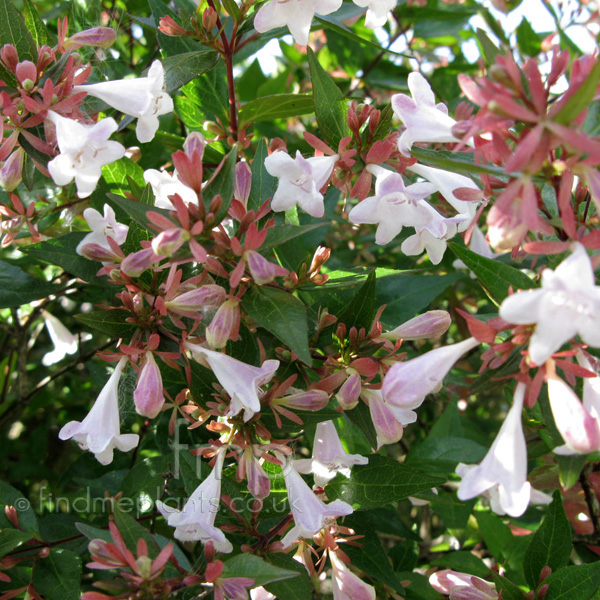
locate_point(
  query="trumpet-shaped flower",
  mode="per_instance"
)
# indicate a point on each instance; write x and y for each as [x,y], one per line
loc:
[196,521]
[240,380]
[300,179]
[165,184]
[102,227]
[84,150]
[143,98]
[425,120]
[296,15]
[64,341]
[148,395]
[388,420]
[462,586]
[310,512]
[393,206]
[100,431]
[347,585]
[431,324]
[503,471]
[567,304]
[329,456]
[377,11]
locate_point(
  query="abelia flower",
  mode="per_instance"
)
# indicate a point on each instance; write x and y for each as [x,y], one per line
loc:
[148,395]
[346,585]
[300,179]
[64,341]
[262,270]
[431,324]
[196,521]
[11,172]
[259,484]
[328,456]
[388,421]
[377,11]
[100,431]
[225,324]
[240,380]
[260,593]
[102,227]
[143,98]
[393,206]
[165,184]
[503,471]
[310,512]
[84,150]
[462,586]
[425,120]
[296,15]
[567,304]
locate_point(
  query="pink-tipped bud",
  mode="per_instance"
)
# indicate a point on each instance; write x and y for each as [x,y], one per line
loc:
[259,484]
[148,395]
[9,56]
[243,182]
[206,298]
[168,242]
[225,324]
[11,172]
[209,18]
[100,37]
[349,393]
[312,400]
[100,253]
[135,264]
[432,324]
[194,146]
[26,73]
[169,26]
[261,269]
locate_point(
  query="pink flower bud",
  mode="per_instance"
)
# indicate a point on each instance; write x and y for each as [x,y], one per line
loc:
[9,56]
[11,172]
[261,269]
[205,298]
[243,182]
[347,585]
[313,400]
[225,324]
[26,70]
[259,484]
[100,253]
[349,393]
[194,146]
[432,324]
[101,37]
[138,262]
[148,395]
[168,242]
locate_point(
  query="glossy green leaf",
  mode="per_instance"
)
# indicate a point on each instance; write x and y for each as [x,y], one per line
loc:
[361,309]
[551,544]
[277,106]
[495,277]
[11,539]
[183,68]
[222,184]
[330,105]
[297,588]
[263,185]
[579,582]
[131,530]
[109,322]
[18,288]
[136,210]
[382,481]
[248,565]
[36,26]
[284,233]
[579,101]
[14,31]
[58,576]
[361,417]
[496,534]
[282,314]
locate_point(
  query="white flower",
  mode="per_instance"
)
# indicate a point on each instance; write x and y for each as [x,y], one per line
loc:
[567,304]
[346,585]
[310,512]
[425,120]
[196,521]
[300,180]
[328,456]
[503,471]
[377,11]
[143,98]
[297,15]
[240,380]
[64,341]
[102,227]
[165,184]
[100,431]
[393,206]
[84,150]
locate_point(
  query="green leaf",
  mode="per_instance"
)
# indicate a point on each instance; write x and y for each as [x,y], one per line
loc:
[459,163]
[223,184]
[145,481]
[382,481]
[36,26]
[298,588]
[509,590]
[277,106]
[58,576]
[93,533]
[495,277]
[361,309]
[183,68]
[116,176]
[569,469]
[580,100]
[61,251]
[445,453]
[248,565]
[463,561]
[283,315]
[496,534]
[284,233]
[131,530]
[330,105]
[361,417]
[18,288]
[489,49]
[14,31]
[109,322]
[136,210]
[170,45]
[528,40]
[263,185]
[210,93]
[11,539]
[580,582]
[551,544]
